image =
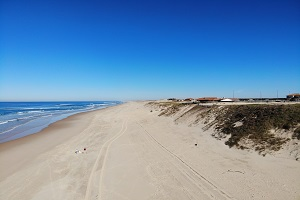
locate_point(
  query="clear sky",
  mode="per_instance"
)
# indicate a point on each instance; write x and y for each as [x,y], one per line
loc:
[130,50]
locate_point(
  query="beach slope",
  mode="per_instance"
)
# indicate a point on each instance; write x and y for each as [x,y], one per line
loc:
[132,153]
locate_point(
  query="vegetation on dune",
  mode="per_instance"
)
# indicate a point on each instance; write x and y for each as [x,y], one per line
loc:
[167,108]
[256,121]
[297,133]
[246,126]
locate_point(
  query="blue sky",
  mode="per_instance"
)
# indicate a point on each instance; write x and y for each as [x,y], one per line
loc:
[132,50]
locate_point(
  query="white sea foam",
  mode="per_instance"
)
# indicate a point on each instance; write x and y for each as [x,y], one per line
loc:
[22,118]
[37,111]
[47,116]
[4,122]
[13,128]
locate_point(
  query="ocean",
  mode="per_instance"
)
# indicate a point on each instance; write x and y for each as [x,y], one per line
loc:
[18,119]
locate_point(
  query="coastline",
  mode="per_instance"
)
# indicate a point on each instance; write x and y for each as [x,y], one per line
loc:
[48,113]
[34,144]
[133,153]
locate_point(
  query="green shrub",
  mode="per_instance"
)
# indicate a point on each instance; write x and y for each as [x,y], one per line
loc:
[257,120]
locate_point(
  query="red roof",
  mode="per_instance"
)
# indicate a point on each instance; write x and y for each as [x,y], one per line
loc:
[295,94]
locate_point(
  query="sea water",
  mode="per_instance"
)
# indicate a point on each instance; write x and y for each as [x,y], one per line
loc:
[18,119]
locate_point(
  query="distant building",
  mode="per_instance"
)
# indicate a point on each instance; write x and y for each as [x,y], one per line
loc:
[208,99]
[293,97]
[189,99]
[229,100]
[226,100]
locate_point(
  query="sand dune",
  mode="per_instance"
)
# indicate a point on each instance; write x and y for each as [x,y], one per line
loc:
[131,153]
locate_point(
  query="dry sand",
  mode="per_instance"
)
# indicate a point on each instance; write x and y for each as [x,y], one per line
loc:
[134,154]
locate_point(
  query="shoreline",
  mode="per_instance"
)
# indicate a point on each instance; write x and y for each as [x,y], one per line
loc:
[38,126]
[57,132]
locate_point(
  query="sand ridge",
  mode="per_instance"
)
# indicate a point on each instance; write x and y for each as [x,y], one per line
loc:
[134,154]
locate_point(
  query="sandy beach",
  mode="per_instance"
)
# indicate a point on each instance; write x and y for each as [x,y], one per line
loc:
[132,153]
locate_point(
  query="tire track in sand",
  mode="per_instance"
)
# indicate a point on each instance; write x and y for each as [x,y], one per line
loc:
[101,158]
[206,185]
[105,157]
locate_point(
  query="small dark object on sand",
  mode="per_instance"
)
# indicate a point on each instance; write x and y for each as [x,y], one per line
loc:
[196,144]
[84,149]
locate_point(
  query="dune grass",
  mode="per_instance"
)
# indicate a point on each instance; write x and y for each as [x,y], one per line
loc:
[240,123]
